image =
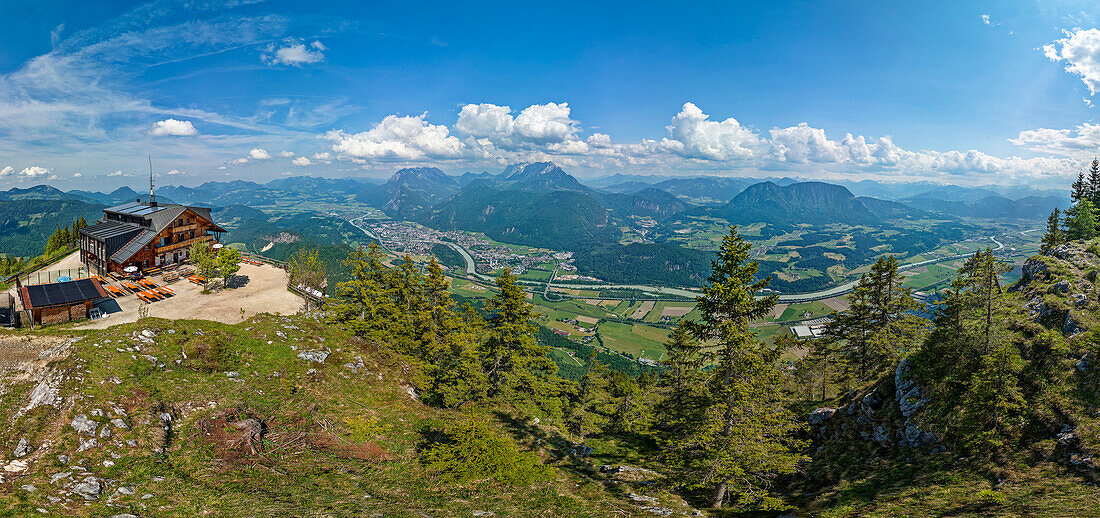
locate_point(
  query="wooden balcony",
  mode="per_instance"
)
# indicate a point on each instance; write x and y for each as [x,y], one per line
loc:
[181,244]
[185,228]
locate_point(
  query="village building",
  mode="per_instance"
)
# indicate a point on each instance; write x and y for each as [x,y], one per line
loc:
[62,301]
[145,235]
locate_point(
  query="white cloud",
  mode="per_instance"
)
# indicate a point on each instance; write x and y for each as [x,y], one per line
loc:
[239,161]
[985,19]
[259,154]
[173,127]
[35,172]
[1082,140]
[120,174]
[485,120]
[75,175]
[322,156]
[399,138]
[693,136]
[55,35]
[286,154]
[7,171]
[293,52]
[1080,50]
[302,161]
[175,172]
[548,122]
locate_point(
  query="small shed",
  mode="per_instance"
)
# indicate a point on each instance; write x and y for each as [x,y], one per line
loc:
[60,302]
[7,310]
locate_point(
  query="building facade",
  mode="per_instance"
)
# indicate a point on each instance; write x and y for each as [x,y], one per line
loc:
[145,235]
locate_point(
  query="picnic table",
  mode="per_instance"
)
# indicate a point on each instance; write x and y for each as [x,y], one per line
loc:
[113,290]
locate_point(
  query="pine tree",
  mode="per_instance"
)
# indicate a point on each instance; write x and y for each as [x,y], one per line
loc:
[879,326]
[1094,182]
[1054,235]
[1081,221]
[1079,189]
[363,303]
[741,439]
[516,366]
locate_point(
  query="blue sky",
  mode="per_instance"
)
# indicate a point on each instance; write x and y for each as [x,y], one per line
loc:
[954,92]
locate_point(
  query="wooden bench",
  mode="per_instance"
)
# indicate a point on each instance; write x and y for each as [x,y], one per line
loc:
[171,277]
[114,291]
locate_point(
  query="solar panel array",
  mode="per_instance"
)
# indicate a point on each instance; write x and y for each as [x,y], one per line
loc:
[62,293]
[135,209]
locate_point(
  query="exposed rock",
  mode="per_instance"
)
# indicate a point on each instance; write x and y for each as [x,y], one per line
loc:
[119,423]
[1080,299]
[356,365]
[82,424]
[641,498]
[64,459]
[23,448]
[89,488]
[314,356]
[484,513]
[87,444]
[1061,252]
[880,435]
[1070,326]
[906,391]
[1082,365]
[148,333]
[820,416]
[127,515]
[105,432]
[60,476]
[28,488]
[1031,270]
[1060,287]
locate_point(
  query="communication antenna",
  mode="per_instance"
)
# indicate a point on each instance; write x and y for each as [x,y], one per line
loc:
[152,195]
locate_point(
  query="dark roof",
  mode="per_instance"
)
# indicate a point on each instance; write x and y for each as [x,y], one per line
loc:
[136,208]
[107,229]
[61,293]
[133,246]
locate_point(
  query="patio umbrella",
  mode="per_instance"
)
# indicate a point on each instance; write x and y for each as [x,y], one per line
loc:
[130,269]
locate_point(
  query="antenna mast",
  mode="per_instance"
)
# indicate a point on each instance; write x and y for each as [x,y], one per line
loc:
[152,196]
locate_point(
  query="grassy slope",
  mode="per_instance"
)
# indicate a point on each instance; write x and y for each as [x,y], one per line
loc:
[292,474]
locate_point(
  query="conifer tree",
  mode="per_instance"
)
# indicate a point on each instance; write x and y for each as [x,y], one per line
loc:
[1081,221]
[1054,235]
[1094,182]
[1079,189]
[879,326]
[741,437]
[516,366]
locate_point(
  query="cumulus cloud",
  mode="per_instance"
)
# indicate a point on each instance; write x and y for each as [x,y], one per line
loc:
[239,161]
[399,138]
[1080,50]
[35,172]
[75,175]
[293,52]
[548,122]
[1083,139]
[485,120]
[7,171]
[259,154]
[322,156]
[302,161]
[120,174]
[173,127]
[286,154]
[175,172]
[692,135]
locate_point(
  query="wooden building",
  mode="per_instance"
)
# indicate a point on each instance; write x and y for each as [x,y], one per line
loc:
[145,235]
[61,301]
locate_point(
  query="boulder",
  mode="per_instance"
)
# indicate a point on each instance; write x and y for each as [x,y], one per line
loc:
[1070,326]
[1080,299]
[23,448]
[89,488]
[314,356]
[1060,287]
[82,424]
[820,416]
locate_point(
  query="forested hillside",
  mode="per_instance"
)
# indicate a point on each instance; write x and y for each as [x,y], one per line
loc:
[25,225]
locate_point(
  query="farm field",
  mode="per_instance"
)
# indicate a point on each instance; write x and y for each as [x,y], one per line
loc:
[638,340]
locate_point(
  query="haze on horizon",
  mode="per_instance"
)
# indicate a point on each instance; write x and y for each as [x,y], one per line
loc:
[954,93]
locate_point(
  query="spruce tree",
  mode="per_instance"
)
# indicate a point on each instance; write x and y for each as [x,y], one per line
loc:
[1081,221]
[740,440]
[1054,235]
[1094,182]
[1079,190]
[516,366]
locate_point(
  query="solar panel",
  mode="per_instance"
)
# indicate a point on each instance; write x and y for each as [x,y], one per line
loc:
[62,293]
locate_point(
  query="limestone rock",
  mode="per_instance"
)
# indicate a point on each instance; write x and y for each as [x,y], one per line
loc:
[820,416]
[82,424]
[314,356]
[89,488]
[23,448]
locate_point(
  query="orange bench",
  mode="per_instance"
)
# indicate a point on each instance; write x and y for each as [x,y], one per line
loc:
[114,291]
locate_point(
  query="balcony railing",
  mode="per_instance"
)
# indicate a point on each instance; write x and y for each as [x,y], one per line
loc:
[181,244]
[185,228]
